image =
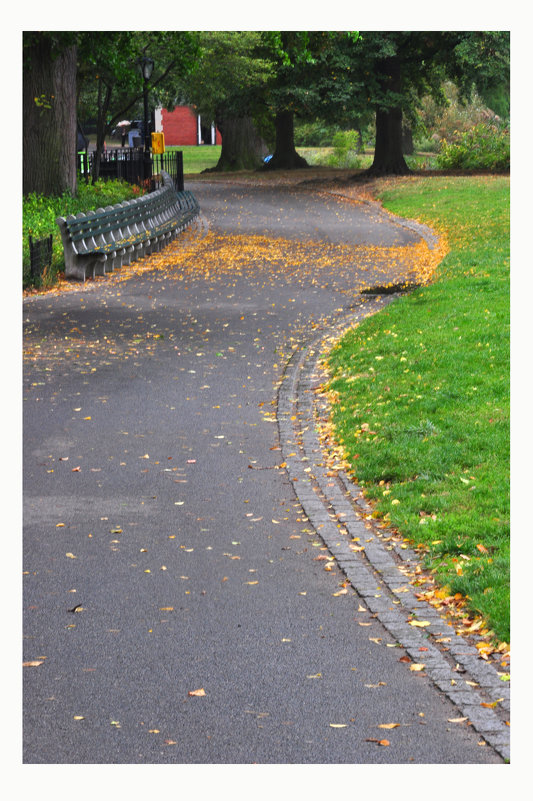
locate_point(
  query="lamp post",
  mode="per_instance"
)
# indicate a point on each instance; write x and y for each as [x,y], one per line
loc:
[147,66]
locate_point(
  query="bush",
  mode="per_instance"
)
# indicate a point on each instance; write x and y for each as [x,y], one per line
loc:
[346,145]
[39,214]
[314,134]
[486,146]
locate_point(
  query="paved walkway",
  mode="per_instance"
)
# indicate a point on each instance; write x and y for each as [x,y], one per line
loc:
[178,520]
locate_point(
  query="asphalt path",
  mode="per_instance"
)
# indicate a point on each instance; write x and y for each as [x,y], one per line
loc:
[203,626]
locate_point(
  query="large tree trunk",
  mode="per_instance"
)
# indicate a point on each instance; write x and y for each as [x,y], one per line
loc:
[285,156]
[241,145]
[388,154]
[49,105]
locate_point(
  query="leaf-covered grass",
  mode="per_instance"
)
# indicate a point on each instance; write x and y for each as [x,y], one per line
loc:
[422,394]
[39,215]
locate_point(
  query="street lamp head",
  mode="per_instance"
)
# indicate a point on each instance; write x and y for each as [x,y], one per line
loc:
[147,66]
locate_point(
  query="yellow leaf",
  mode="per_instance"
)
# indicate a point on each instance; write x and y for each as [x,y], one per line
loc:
[197,693]
[34,663]
[388,725]
[419,623]
[338,725]
[491,705]
[166,608]
[71,556]
[416,666]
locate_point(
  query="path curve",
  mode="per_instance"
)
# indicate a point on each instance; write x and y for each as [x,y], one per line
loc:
[165,550]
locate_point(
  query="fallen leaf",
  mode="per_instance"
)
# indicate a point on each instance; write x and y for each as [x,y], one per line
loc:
[388,725]
[71,556]
[197,693]
[419,623]
[33,663]
[338,725]
[457,720]
[417,666]
[166,608]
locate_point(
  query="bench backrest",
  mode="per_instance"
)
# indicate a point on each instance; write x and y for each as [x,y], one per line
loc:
[142,213]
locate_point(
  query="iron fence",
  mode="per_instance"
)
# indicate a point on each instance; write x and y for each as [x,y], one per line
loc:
[129,164]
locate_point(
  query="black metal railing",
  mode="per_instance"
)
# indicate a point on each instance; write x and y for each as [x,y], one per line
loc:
[129,164]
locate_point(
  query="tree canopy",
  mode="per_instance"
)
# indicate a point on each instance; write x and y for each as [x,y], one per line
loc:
[251,83]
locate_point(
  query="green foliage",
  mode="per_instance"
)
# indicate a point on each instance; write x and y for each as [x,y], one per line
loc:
[39,215]
[314,134]
[486,146]
[232,70]
[346,145]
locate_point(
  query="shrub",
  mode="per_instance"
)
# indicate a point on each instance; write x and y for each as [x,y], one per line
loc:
[39,214]
[486,146]
[314,134]
[345,147]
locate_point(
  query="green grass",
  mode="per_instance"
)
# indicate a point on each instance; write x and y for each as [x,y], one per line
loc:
[322,157]
[422,389]
[198,157]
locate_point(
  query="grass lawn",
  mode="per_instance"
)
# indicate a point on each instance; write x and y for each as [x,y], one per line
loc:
[421,395]
[198,157]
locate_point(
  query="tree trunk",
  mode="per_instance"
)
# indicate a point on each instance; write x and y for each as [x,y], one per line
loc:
[285,156]
[241,145]
[104,101]
[49,104]
[408,146]
[388,153]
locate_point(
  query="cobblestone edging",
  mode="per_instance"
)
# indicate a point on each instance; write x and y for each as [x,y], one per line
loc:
[376,574]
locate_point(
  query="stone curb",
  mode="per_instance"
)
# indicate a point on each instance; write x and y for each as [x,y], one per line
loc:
[376,574]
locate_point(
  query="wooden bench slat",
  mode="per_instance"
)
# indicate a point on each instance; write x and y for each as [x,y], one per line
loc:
[103,239]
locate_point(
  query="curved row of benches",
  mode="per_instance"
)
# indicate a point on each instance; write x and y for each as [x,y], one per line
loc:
[98,242]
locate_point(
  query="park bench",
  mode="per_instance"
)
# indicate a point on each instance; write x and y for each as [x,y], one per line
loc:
[98,242]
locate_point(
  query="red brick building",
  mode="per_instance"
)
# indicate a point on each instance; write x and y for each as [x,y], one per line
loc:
[184,127]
